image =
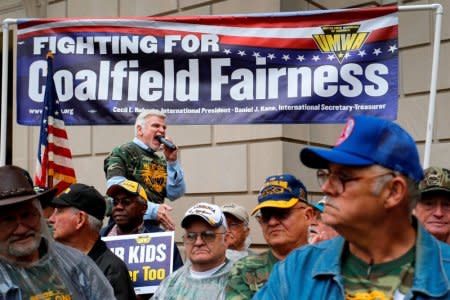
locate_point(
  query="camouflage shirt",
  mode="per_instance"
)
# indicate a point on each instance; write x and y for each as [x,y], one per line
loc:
[248,275]
[140,165]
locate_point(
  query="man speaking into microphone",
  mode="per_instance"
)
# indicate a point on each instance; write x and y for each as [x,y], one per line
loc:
[161,175]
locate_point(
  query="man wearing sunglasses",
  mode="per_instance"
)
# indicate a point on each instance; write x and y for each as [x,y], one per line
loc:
[284,214]
[370,179]
[129,206]
[205,241]
[433,208]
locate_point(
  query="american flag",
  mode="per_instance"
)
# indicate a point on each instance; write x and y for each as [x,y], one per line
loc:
[54,166]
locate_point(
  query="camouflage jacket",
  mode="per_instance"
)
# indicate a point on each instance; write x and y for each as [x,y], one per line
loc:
[248,275]
[140,165]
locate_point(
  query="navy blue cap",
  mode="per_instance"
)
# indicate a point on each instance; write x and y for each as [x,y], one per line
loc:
[365,141]
[281,191]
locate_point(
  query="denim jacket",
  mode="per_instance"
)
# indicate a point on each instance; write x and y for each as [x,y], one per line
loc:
[314,272]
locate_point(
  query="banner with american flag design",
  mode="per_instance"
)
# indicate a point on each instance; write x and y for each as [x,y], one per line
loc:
[302,67]
[54,166]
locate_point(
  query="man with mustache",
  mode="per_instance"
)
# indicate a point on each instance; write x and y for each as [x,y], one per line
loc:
[32,265]
[370,179]
[433,208]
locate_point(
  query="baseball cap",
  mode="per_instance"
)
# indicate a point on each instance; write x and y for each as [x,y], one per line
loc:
[85,198]
[365,141]
[237,211]
[281,191]
[436,179]
[211,213]
[131,187]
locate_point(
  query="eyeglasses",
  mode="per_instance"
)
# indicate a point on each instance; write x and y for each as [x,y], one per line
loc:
[235,225]
[9,223]
[207,236]
[123,201]
[265,214]
[338,181]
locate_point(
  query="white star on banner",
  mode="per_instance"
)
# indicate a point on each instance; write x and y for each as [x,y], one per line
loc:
[271,56]
[330,57]
[227,51]
[377,51]
[300,57]
[315,58]
[392,48]
[241,53]
[362,53]
[286,57]
[256,54]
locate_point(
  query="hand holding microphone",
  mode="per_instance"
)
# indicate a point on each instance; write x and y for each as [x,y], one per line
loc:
[166,142]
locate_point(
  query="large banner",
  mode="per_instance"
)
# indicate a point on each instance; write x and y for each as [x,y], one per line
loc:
[148,256]
[308,67]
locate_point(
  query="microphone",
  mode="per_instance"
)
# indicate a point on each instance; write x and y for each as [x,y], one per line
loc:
[166,143]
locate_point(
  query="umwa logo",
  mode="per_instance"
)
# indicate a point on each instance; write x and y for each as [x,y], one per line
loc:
[340,39]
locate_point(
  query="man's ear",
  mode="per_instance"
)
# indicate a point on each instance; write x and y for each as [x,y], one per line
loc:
[397,191]
[309,213]
[139,130]
[81,219]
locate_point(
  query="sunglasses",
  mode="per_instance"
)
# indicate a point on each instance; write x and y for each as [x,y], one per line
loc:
[123,201]
[207,236]
[280,214]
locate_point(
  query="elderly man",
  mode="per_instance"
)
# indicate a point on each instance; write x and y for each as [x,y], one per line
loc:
[318,231]
[161,176]
[238,227]
[370,179]
[129,206]
[32,266]
[77,220]
[433,208]
[284,215]
[205,240]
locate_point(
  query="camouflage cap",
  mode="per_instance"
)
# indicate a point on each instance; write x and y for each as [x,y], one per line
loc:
[436,179]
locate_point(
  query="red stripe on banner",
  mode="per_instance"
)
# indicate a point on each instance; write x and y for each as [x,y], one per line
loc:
[314,20]
[264,21]
[387,33]
[375,36]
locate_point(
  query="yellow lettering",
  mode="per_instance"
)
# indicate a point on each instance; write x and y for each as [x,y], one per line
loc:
[322,42]
[133,275]
[334,41]
[360,38]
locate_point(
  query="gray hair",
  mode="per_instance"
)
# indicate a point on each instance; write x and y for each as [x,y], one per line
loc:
[93,223]
[413,192]
[140,120]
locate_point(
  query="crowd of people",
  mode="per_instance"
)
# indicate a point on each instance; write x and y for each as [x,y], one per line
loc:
[381,231]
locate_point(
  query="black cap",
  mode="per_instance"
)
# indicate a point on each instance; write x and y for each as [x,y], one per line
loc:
[83,197]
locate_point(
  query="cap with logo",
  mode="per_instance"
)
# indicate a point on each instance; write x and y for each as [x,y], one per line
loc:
[237,211]
[365,141]
[436,180]
[281,191]
[130,187]
[210,213]
[17,186]
[85,198]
